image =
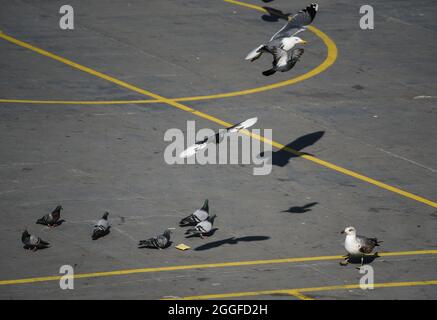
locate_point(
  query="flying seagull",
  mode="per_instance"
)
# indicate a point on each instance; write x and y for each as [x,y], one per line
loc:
[159,242]
[218,137]
[358,246]
[285,40]
[198,216]
[101,228]
[32,242]
[51,219]
[202,228]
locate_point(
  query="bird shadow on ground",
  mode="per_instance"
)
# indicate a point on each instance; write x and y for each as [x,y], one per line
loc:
[274,15]
[281,157]
[301,209]
[231,241]
[152,247]
[29,248]
[59,222]
[209,234]
[108,231]
[367,259]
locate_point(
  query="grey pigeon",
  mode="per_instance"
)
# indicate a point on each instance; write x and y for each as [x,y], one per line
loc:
[202,228]
[51,219]
[158,242]
[32,242]
[101,228]
[198,216]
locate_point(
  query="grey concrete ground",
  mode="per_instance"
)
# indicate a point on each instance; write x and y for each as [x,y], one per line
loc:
[92,158]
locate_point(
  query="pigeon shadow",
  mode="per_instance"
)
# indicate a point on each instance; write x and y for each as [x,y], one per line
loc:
[56,224]
[274,15]
[230,241]
[59,222]
[281,157]
[108,231]
[40,248]
[301,209]
[152,247]
[209,234]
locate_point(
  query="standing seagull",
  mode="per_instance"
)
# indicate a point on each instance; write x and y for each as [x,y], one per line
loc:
[357,245]
[285,40]
[32,242]
[202,228]
[198,216]
[101,228]
[51,219]
[158,242]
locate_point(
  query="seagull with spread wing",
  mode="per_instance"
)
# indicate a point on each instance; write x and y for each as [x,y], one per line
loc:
[217,137]
[282,43]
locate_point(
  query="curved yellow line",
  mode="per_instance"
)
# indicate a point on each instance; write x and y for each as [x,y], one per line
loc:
[329,61]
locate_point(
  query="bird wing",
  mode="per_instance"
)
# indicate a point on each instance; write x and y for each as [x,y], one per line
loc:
[366,244]
[297,22]
[280,57]
[103,224]
[200,215]
[204,226]
[161,241]
[33,240]
[294,57]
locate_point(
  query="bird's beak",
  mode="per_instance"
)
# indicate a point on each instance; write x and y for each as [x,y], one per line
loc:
[303,42]
[342,232]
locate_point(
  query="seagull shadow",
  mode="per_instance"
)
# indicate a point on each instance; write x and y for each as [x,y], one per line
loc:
[209,234]
[274,15]
[230,241]
[282,157]
[302,209]
[367,259]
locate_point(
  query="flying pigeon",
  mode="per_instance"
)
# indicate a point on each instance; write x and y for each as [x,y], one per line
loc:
[51,219]
[217,137]
[32,242]
[285,40]
[357,245]
[202,228]
[199,215]
[284,60]
[158,242]
[101,228]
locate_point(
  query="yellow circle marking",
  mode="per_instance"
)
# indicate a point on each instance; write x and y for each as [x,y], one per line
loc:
[329,61]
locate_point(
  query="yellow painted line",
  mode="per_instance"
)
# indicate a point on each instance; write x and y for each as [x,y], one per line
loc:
[78,102]
[218,121]
[206,266]
[300,296]
[296,292]
[329,61]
